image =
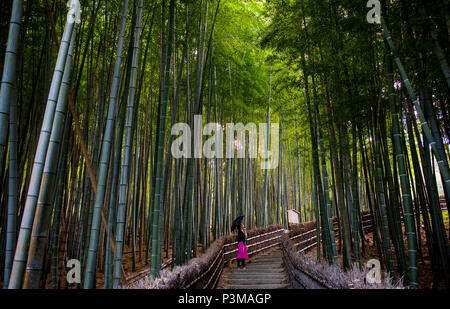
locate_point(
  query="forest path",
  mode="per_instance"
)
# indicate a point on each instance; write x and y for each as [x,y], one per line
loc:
[264,272]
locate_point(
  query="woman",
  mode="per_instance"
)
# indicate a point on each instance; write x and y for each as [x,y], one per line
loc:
[242,247]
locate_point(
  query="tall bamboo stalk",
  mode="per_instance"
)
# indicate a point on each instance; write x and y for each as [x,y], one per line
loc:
[405,187]
[12,192]
[42,217]
[20,256]
[154,269]
[443,168]
[9,74]
[88,281]
[125,172]
[266,175]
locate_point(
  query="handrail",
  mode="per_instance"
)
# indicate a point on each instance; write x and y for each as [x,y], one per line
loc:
[212,264]
[303,234]
[218,264]
[296,244]
[141,274]
[255,244]
[223,255]
[215,282]
[250,252]
[300,276]
[253,237]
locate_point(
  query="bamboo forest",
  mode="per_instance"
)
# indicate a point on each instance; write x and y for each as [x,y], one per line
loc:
[136,136]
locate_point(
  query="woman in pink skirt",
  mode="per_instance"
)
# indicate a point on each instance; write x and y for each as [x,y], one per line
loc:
[242,247]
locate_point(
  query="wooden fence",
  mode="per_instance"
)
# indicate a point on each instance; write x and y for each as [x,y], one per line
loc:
[204,272]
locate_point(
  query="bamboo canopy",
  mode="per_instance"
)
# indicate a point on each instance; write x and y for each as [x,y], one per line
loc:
[133,133]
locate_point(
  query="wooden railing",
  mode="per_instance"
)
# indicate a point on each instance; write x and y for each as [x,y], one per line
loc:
[133,278]
[307,240]
[256,244]
[301,275]
[214,271]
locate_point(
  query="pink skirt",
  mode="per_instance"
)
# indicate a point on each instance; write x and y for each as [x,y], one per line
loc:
[242,251]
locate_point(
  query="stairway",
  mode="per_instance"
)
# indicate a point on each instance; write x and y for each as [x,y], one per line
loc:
[264,272]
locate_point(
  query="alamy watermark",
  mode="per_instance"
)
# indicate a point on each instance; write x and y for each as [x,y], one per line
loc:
[374,15]
[74,273]
[74,14]
[373,276]
[187,145]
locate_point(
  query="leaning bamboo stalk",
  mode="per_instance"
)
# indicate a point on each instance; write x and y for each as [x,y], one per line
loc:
[40,155]
[76,121]
[42,216]
[9,74]
[8,103]
[72,109]
[12,192]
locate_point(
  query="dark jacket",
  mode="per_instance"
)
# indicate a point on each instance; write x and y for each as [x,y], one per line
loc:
[241,237]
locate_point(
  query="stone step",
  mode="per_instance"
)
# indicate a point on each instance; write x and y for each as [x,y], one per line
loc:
[263,272]
[259,286]
[269,262]
[256,269]
[246,281]
[273,254]
[254,275]
[269,258]
[280,276]
[263,267]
